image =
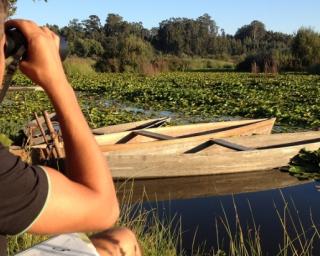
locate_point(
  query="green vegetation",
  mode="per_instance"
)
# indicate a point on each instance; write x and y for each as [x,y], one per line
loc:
[77,65]
[292,98]
[305,165]
[157,238]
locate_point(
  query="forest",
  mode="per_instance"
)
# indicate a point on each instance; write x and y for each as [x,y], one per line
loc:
[121,46]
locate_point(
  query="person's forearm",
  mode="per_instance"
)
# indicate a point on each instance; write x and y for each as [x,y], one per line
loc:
[84,162]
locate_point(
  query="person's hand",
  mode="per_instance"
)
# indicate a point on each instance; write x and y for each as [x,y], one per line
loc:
[42,65]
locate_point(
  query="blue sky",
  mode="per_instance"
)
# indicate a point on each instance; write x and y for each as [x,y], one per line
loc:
[278,15]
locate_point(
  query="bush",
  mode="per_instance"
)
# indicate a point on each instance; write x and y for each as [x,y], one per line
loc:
[78,65]
[314,69]
[132,55]
[260,62]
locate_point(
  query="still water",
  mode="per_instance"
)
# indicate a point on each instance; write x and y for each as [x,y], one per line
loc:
[200,203]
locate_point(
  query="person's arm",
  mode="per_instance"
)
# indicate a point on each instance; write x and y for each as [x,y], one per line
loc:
[86,200]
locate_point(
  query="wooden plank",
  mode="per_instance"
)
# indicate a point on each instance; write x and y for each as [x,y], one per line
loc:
[54,135]
[214,130]
[267,141]
[130,126]
[220,142]
[145,133]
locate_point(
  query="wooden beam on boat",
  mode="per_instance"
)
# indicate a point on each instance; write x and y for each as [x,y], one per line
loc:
[138,125]
[145,133]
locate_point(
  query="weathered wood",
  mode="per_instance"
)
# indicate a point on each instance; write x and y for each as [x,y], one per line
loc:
[279,140]
[185,131]
[131,126]
[160,166]
[181,145]
[54,135]
[49,151]
[145,133]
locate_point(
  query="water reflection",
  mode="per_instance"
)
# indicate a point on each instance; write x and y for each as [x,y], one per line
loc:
[204,186]
[200,201]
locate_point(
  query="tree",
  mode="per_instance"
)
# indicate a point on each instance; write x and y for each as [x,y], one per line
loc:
[186,36]
[92,27]
[134,52]
[306,46]
[113,23]
[251,34]
[13,6]
[255,31]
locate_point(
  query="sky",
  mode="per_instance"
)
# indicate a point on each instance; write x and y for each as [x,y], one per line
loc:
[285,16]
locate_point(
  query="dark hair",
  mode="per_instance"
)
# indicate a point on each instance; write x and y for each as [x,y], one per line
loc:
[3,14]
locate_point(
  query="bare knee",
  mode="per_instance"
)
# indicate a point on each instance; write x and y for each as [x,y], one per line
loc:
[116,241]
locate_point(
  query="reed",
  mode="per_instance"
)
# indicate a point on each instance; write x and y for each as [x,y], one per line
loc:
[298,239]
[162,235]
[157,236]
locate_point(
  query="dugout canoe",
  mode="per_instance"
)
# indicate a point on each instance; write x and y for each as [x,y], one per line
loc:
[176,140]
[216,156]
[264,126]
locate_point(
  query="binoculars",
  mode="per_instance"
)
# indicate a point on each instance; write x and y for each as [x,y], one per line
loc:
[15,39]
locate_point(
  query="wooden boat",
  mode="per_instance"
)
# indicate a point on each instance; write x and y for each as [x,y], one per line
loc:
[176,140]
[204,186]
[264,126]
[215,156]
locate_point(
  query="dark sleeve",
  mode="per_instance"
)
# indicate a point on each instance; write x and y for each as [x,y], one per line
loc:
[23,193]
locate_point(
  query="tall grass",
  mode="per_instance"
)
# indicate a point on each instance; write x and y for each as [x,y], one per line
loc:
[297,238]
[76,65]
[159,236]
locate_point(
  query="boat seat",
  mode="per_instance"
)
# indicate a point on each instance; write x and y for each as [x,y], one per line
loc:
[149,134]
[220,142]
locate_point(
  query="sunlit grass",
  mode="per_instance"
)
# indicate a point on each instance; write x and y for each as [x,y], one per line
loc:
[162,235]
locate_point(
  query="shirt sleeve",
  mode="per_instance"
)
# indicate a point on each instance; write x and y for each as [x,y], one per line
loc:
[24,191]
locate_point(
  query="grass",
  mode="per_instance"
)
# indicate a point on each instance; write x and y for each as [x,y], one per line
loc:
[156,237]
[298,239]
[76,65]
[162,236]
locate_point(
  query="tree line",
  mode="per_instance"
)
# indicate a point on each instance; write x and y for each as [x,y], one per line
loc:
[118,45]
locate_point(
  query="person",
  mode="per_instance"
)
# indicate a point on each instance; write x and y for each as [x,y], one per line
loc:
[41,200]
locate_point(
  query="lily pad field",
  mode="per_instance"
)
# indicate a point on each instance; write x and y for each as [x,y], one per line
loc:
[293,98]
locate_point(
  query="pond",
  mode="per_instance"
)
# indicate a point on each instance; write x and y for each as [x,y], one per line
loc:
[264,199]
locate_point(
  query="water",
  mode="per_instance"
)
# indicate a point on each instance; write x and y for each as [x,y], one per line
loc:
[200,201]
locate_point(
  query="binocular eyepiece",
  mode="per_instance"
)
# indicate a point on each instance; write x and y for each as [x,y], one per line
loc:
[15,39]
